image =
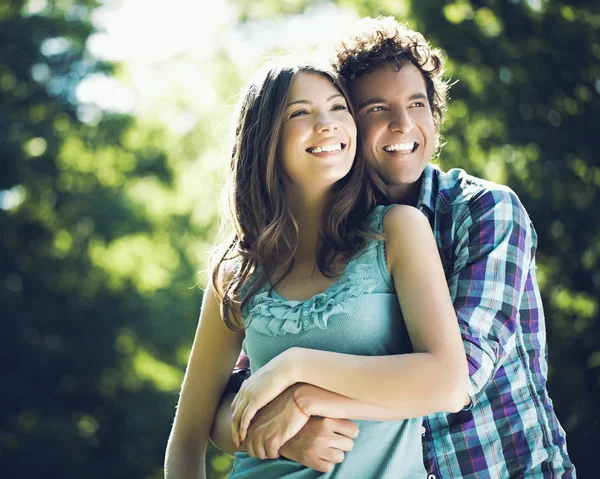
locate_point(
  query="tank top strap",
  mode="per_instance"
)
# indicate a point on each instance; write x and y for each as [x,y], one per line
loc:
[375,222]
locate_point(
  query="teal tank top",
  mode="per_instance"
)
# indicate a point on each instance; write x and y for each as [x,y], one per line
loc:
[358,314]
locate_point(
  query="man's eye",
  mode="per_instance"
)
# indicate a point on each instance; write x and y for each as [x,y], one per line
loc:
[376,109]
[418,104]
[298,113]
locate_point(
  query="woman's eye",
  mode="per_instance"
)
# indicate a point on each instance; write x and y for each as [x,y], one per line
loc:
[339,107]
[298,113]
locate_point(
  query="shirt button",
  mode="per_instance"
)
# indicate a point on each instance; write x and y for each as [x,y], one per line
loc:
[306,322]
[423,430]
[431,476]
[304,313]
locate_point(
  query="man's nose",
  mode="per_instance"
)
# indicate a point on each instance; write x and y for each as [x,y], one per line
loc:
[401,122]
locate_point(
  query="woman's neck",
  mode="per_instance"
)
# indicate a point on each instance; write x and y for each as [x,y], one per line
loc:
[307,208]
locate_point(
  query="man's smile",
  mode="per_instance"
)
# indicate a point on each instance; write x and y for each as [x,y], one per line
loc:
[406,147]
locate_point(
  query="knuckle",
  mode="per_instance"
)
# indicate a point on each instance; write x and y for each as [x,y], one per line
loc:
[271,443]
[272,449]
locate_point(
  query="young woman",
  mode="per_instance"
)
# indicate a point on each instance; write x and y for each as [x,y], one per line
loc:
[323,304]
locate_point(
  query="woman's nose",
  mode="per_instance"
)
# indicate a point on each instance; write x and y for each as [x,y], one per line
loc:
[326,124]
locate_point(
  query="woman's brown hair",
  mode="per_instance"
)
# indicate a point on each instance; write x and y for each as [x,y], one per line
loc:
[265,232]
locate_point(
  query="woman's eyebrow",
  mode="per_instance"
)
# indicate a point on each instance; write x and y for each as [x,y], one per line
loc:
[308,102]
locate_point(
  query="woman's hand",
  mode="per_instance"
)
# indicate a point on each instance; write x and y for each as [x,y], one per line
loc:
[260,389]
[274,425]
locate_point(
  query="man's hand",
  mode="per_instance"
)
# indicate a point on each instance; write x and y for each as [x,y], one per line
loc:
[262,387]
[274,425]
[321,443]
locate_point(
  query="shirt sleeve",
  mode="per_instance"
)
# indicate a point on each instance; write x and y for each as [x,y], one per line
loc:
[495,246]
[240,373]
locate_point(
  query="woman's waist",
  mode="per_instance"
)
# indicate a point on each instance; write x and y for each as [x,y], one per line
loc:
[383,449]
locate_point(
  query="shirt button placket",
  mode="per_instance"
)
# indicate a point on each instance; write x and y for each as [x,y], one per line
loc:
[305,315]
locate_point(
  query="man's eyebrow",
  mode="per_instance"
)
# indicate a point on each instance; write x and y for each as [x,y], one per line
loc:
[306,102]
[371,101]
[374,101]
[418,96]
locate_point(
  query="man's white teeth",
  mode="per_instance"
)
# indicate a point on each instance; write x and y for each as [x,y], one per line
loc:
[320,149]
[402,147]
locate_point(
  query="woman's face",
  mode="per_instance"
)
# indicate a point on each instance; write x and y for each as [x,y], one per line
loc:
[317,144]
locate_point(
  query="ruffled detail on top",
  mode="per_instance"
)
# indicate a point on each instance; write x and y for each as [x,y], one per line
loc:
[273,315]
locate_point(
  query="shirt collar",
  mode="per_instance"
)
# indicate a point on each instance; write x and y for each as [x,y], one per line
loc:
[428,188]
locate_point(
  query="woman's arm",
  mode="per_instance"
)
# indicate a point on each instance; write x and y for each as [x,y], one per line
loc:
[316,401]
[213,355]
[434,378]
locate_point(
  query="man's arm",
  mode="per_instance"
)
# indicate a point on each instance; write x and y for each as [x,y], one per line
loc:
[494,251]
[320,444]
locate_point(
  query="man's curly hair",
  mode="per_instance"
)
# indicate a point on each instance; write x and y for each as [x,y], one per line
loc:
[378,41]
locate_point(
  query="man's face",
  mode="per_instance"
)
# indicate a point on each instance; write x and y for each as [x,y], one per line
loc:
[396,126]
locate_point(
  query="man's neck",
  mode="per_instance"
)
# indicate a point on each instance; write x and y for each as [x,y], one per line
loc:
[405,194]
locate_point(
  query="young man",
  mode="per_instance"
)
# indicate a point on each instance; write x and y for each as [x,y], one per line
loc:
[487,245]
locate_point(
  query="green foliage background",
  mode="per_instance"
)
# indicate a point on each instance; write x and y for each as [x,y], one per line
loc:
[105,223]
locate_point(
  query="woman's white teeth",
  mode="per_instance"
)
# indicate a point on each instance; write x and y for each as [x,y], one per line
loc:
[403,147]
[320,149]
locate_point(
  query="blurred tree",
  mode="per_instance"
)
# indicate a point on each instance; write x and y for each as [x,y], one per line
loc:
[100,251]
[99,260]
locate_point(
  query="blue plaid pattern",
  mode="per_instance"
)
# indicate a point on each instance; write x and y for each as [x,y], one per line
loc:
[487,244]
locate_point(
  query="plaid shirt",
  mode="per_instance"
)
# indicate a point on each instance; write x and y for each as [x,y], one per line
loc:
[487,244]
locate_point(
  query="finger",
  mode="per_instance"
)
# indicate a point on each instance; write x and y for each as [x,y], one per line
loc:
[342,443]
[234,437]
[323,466]
[346,428]
[235,422]
[250,448]
[260,450]
[271,448]
[333,455]
[247,415]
